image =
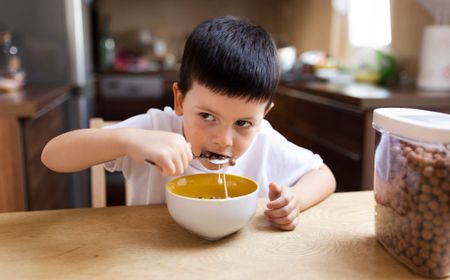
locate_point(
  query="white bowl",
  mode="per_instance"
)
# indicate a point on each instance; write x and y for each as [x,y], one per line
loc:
[191,206]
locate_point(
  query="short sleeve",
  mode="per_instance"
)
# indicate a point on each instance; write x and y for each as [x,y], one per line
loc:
[287,162]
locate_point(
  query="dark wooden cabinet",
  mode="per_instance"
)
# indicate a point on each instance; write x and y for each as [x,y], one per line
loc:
[28,120]
[336,123]
[333,132]
[45,189]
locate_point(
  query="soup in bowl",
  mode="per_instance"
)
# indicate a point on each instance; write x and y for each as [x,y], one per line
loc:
[198,203]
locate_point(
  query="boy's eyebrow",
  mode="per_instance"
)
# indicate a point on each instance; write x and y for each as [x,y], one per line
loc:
[215,113]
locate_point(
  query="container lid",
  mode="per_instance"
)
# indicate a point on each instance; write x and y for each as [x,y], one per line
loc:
[413,123]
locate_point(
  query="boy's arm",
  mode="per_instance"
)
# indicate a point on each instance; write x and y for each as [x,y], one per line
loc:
[80,149]
[286,203]
[314,187]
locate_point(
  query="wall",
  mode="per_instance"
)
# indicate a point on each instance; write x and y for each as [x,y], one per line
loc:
[173,20]
[408,20]
[306,23]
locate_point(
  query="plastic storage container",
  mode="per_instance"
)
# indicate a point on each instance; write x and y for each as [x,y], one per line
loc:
[412,188]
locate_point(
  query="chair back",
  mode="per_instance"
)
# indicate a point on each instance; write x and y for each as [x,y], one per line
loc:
[98,176]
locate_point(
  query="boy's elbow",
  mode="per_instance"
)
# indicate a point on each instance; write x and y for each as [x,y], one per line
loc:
[333,183]
[47,158]
[331,179]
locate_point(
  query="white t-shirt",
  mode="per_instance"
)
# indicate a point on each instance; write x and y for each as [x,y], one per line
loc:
[269,158]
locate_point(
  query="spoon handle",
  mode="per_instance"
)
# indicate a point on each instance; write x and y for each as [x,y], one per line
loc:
[214,161]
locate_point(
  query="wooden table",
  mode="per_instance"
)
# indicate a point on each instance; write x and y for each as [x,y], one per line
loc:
[334,240]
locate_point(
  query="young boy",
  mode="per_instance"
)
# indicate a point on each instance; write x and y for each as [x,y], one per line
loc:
[228,76]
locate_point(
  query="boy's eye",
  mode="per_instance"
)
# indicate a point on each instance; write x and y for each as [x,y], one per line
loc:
[206,116]
[244,124]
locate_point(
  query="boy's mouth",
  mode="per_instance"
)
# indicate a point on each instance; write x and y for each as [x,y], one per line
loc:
[212,155]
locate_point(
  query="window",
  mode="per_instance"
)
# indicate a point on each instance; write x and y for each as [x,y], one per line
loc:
[369,23]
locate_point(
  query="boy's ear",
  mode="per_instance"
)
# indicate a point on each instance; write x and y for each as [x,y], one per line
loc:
[177,99]
[269,108]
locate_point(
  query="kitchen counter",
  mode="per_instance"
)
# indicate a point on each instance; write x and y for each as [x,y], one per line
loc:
[368,97]
[31,100]
[334,240]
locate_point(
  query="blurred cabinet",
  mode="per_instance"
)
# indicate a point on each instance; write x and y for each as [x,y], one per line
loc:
[28,120]
[46,189]
[123,95]
[335,133]
[336,123]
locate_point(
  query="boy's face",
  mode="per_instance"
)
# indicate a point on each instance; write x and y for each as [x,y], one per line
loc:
[216,123]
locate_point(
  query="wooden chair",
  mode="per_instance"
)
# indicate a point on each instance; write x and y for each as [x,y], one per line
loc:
[98,176]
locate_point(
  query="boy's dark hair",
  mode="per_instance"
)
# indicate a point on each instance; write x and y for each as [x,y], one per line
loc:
[232,57]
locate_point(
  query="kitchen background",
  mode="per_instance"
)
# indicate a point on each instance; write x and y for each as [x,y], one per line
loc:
[114,59]
[304,24]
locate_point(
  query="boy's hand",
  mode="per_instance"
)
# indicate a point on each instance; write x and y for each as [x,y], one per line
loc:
[169,151]
[282,210]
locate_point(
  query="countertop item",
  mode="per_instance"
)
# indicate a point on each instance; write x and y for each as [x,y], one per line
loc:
[412,187]
[334,240]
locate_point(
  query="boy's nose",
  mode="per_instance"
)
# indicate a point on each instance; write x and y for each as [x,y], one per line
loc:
[224,137]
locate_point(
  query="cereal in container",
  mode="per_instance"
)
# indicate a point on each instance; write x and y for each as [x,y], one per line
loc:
[412,188]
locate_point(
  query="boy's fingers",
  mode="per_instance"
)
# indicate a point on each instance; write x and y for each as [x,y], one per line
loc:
[274,191]
[160,170]
[283,199]
[188,151]
[179,166]
[281,212]
[278,203]
[290,226]
[184,159]
[168,167]
[286,219]
[186,156]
